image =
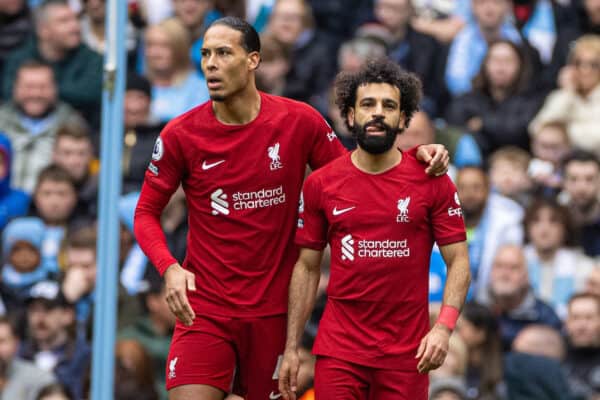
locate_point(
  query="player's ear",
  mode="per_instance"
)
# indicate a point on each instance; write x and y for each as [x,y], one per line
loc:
[350,117]
[403,123]
[253,60]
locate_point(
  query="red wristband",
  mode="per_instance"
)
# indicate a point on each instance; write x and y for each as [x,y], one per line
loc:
[448,316]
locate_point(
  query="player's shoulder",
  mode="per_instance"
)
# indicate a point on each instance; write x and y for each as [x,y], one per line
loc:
[291,107]
[191,120]
[334,170]
[415,167]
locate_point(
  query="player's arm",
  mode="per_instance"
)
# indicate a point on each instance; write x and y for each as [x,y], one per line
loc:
[303,290]
[162,178]
[434,346]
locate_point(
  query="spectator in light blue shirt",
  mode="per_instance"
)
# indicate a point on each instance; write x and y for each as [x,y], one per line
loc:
[176,86]
[470,46]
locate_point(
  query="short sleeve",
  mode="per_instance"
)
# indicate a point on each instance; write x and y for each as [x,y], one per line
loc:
[446,213]
[167,165]
[312,224]
[325,146]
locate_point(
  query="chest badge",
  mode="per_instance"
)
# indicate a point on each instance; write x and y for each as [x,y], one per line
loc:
[403,210]
[273,153]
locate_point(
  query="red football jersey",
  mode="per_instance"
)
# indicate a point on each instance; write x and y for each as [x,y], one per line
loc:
[381,229]
[242,184]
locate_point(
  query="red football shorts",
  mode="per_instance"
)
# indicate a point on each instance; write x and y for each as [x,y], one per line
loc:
[235,355]
[341,380]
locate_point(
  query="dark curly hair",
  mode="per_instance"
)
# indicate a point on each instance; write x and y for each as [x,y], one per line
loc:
[379,71]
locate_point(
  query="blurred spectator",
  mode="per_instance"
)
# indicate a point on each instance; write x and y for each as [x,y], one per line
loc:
[540,340]
[500,106]
[508,173]
[592,284]
[461,146]
[354,53]
[141,131]
[73,151]
[79,263]
[78,69]
[577,102]
[153,330]
[13,202]
[155,11]
[31,120]
[23,263]
[491,221]
[581,188]
[312,67]
[511,298]
[478,328]
[134,367]
[530,376]
[549,146]
[437,18]
[469,47]
[196,16]
[176,86]
[338,19]
[274,65]
[589,16]
[257,13]
[556,269]
[52,342]
[583,336]
[414,51]
[54,391]
[447,389]
[16,24]
[54,201]
[24,380]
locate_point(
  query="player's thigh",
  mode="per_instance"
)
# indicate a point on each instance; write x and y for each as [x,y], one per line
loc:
[260,347]
[340,380]
[399,385]
[196,392]
[197,358]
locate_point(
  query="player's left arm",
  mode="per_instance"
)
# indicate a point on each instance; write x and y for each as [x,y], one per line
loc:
[435,156]
[434,346]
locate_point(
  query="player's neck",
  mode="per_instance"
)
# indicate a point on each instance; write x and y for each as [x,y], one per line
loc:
[239,109]
[375,163]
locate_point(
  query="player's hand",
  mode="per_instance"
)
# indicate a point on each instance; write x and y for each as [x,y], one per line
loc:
[288,374]
[433,348]
[436,156]
[177,282]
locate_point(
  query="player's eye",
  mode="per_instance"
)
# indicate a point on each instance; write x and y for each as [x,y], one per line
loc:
[204,53]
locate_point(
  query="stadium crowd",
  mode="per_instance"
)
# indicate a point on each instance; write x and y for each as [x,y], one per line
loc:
[511,88]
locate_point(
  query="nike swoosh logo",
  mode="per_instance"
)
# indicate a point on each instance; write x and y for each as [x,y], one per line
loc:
[206,166]
[274,396]
[343,210]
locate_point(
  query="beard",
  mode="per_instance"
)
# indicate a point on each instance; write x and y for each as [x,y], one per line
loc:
[375,144]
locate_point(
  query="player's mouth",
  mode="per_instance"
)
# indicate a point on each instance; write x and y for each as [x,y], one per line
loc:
[213,83]
[375,129]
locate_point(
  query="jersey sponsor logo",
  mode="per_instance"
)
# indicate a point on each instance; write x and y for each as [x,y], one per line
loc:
[403,210]
[262,198]
[273,153]
[206,166]
[172,366]
[374,248]
[455,211]
[331,136]
[158,150]
[348,248]
[218,202]
[153,168]
[337,212]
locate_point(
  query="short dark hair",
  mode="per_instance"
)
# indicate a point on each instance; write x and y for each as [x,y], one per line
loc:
[55,173]
[34,64]
[41,12]
[73,131]
[581,156]
[250,38]
[585,295]
[379,71]
[83,238]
